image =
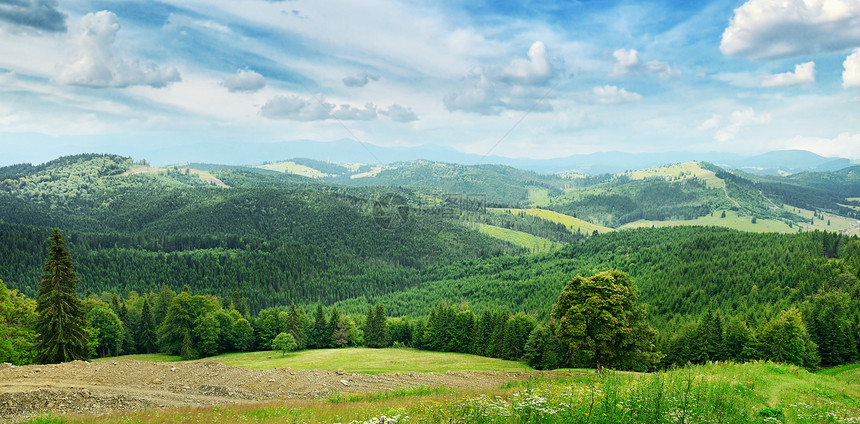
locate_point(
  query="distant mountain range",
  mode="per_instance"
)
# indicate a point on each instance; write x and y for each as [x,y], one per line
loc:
[350,151]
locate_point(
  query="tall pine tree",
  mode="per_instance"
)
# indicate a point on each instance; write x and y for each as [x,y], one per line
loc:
[61,321]
[147,336]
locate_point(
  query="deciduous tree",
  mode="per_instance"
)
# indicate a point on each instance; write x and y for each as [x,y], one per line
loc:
[598,314]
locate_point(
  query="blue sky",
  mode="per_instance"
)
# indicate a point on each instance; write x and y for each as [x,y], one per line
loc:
[568,77]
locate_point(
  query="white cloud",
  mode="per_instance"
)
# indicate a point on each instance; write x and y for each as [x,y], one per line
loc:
[360,79]
[41,15]
[399,113]
[352,113]
[610,94]
[727,127]
[94,63]
[303,109]
[851,74]
[537,70]
[767,29]
[627,61]
[245,80]
[843,145]
[804,73]
[521,85]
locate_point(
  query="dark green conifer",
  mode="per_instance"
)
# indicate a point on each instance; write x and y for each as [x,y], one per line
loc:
[61,318]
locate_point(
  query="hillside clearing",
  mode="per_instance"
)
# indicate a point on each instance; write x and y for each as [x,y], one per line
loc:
[294,168]
[573,224]
[732,220]
[679,172]
[534,244]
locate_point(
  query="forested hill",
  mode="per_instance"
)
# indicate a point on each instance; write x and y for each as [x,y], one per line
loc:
[276,238]
[681,272]
[279,238]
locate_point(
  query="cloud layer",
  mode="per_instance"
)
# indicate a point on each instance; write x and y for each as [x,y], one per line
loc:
[39,14]
[298,108]
[94,64]
[768,29]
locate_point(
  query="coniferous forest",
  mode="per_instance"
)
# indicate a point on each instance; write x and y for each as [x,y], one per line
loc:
[170,262]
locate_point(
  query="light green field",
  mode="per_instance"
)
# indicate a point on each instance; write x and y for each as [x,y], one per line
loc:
[294,168]
[679,172]
[568,221]
[753,393]
[354,359]
[209,178]
[538,196]
[145,357]
[532,243]
[732,220]
[837,223]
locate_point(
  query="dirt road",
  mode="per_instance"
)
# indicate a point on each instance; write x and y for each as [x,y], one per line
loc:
[103,387]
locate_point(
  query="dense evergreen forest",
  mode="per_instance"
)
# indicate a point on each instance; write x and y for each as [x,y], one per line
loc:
[274,252]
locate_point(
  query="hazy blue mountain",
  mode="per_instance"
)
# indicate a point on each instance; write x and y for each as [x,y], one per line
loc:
[231,152]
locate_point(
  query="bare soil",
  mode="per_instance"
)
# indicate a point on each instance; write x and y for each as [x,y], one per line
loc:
[103,387]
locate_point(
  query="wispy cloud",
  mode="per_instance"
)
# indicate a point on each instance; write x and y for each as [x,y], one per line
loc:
[518,86]
[610,94]
[360,79]
[37,14]
[628,61]
[727,127]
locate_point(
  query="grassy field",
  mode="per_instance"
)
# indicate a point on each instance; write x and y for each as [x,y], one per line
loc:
[837,223]
[534,244]
[759,392]
[679,172]
[572,224]
[354,360]
[294,168]
[146,357]
[732,220]
[538,196]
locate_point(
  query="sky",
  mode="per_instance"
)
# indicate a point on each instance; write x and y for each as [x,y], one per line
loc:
[535,79]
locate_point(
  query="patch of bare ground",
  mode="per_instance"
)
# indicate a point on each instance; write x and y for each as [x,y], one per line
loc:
[102,387]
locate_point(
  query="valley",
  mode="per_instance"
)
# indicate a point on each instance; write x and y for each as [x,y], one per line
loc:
[224,258]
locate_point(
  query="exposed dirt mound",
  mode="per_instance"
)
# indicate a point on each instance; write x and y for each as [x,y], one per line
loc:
[101,387]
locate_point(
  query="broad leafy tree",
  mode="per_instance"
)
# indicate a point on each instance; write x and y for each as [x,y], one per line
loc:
[598,315]
[61,317]
[285,342]
[110,330]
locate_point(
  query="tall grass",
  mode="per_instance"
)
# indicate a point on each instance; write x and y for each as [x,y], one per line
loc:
[760,393]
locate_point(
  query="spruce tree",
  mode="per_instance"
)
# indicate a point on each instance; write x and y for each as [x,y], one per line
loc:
[319,337]
[147,337]
[333,325]
[61,316]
